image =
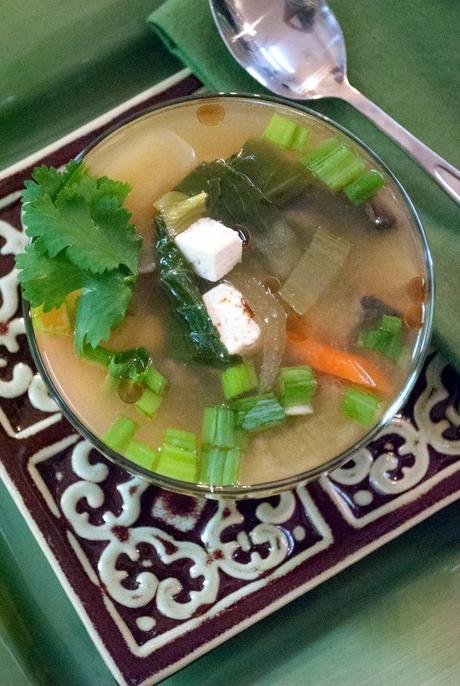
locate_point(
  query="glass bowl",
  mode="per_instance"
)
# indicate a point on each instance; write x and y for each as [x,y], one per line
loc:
[420,348]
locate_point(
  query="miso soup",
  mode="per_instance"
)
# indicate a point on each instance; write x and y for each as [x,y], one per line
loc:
[280,299]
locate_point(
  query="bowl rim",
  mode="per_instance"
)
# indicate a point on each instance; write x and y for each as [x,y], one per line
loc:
[268,488]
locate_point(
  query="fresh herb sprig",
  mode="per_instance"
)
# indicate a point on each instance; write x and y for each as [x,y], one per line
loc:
[82,240]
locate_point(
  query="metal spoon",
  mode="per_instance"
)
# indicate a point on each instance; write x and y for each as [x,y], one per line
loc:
[296,49]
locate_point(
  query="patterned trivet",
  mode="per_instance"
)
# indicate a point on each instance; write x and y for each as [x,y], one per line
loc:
[157,578]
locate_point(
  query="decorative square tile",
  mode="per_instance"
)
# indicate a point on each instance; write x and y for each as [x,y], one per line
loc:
[158,578]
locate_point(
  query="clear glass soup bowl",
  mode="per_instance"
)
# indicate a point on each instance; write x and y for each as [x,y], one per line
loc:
[229,104]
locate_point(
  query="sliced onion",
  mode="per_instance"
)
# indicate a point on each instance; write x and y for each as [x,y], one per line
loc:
[271,318]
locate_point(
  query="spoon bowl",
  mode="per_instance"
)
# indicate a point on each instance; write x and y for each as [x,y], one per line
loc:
[296,49]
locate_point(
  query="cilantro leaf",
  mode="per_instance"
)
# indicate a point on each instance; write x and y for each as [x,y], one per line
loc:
[82,241]
[102,305]
[103,301]
[83,214]
[47,281]
[49,180]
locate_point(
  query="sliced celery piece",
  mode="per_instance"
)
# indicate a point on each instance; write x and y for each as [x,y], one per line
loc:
[297,388]
[231,468]
[219,466]
[218,427]
[238,379]
[259,412]
[181,439]
[280,130]
[120,433]
[319,154]
[340,168]
[285,133]
[177,463]
[364,187]
[300,139]
[98,354]
[360,406]
[149,402]
[155,381]
[141,453]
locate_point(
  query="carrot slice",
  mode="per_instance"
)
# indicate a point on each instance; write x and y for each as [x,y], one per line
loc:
[54,322]
[341,363]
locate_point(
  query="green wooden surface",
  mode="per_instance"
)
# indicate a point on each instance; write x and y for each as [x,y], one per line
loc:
[391,619]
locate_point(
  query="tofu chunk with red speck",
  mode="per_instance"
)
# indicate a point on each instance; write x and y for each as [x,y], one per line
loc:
[212,248]
[238,330]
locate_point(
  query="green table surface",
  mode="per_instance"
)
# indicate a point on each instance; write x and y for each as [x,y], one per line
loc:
[393,618]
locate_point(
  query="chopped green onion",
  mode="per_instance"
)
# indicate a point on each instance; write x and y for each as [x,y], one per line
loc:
[179,210]
[177,463]
[149,402]
[218,427]
[219,466]
[364,187]
[318,267]
[285,133]
[297,387]
[386,338]
[142,454]
[155,381]
[98,354]
[360,406]
[258,412]
[238,379]
[120,433]
[181,439]
[339,168]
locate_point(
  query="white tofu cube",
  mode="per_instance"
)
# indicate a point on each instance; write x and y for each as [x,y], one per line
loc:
[238,331]
[211,247]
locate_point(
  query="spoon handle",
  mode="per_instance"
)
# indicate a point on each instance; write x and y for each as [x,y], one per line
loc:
[445,174]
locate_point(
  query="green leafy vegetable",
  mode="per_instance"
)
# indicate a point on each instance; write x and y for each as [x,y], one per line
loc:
[279,178]
[132,365]
[234,199]
[179,280]
[82,241]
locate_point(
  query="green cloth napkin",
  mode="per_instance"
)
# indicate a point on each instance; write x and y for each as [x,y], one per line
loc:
[405,57]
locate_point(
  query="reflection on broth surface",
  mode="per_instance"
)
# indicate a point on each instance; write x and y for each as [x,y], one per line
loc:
[378,265]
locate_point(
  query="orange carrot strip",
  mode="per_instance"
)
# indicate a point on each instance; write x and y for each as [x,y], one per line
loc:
[345,365]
